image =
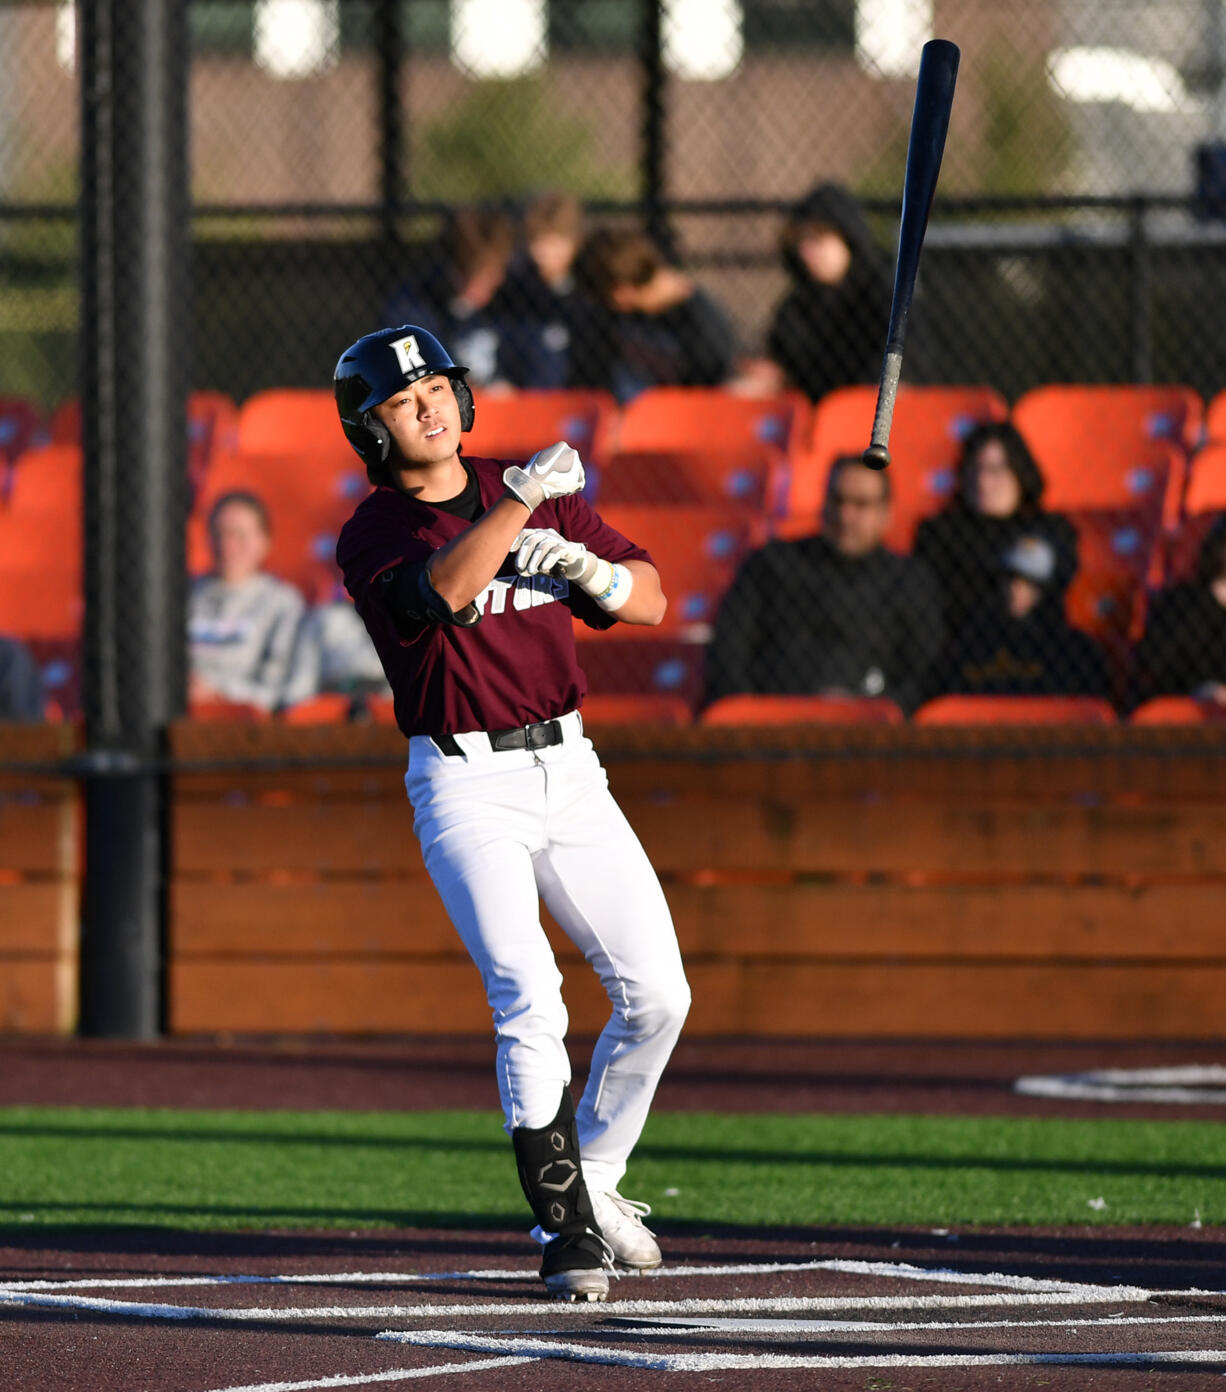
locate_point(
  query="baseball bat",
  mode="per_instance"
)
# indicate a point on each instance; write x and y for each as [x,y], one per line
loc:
[934,96]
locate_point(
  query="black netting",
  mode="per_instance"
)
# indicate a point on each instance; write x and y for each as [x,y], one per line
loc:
[606,199]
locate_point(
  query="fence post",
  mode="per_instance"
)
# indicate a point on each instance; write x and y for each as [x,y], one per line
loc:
[133,370]
[390,45]
[654,135]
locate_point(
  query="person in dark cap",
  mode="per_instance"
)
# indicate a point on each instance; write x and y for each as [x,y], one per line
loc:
[829,330]
[1025,645]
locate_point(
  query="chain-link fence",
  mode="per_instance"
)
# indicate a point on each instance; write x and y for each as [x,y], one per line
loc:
[610,199]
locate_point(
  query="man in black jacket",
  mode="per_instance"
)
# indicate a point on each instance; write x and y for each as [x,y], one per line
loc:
[834,613]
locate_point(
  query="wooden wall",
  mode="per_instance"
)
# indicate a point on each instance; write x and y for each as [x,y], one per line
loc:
[914,882]
[39,894]
[906,882]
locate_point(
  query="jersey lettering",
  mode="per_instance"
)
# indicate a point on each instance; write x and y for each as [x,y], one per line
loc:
[408,354]
[524,592]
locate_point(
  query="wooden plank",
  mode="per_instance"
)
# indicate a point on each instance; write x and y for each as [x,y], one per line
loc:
[359,838]
[896,837]
[38,994]
[45,743]
[690,832]
[953,1001]
[774,1000]
[381,918]
[38,832]
[899,921]
[39,916]
[374,918]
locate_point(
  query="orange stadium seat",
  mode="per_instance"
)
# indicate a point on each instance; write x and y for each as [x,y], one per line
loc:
[1207,479]
[1178,710]
[929,426]
[326,708]
[514,425]
[635,708]
[49,480]
[1015,710]
[752,477]
[41,591]
[229,712]
[289,420]
[212,419]
[747,709]
[1101,446]
[709,418]
[697,550]
[1116,551]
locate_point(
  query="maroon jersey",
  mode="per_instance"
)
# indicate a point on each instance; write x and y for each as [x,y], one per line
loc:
[516,665]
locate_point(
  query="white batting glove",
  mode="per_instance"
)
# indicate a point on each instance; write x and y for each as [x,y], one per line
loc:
[543,551]
[550,473]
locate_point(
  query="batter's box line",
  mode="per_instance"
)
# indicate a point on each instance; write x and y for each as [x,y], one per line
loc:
[766,1305]
[737,1362]
[899,1271]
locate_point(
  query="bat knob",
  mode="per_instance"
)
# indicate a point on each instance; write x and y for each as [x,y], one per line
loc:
[876,457]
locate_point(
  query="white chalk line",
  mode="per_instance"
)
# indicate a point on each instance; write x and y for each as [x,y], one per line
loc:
[1082,1295]
[387,1375]
[814,1326]
[1173,1086]
[731,1362]
[897,1270]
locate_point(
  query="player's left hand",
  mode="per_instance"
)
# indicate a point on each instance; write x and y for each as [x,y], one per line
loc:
[544,551]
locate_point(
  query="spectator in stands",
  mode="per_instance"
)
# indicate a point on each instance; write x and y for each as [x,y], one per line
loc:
[997,498]
[454,292]
[539,301]
[242,622]
[658,329]
[21,683]
[334,654]
[834,613]
[1183,650]
[1025,646]
[829,330]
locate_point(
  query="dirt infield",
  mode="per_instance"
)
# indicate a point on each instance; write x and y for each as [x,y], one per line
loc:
[831,1308]
[924,1077]
[838,1310]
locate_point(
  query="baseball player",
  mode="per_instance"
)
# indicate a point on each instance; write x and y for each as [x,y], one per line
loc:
[467,573]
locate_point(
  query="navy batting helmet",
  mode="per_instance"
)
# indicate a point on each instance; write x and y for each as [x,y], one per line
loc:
[376,367]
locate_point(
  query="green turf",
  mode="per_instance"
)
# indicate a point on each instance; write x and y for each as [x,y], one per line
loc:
[79,1166]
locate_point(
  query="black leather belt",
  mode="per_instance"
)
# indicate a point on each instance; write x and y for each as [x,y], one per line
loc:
[538,736]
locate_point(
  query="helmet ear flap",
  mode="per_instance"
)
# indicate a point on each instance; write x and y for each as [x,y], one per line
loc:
[380,437]
[372,441]
[464,398]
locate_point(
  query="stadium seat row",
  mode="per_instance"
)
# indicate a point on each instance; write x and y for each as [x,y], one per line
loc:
[699,477]
[639,708]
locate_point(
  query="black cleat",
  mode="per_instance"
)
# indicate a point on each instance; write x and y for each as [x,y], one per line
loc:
[575,1267]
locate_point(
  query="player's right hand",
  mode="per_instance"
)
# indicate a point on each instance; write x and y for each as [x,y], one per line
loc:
[550,473]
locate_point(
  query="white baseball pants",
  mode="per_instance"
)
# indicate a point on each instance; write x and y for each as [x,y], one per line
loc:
[501,830]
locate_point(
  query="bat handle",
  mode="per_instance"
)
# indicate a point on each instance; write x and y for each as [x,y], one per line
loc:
[877,456]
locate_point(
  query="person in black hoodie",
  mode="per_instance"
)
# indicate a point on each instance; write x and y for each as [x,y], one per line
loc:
[835,613]
[997,498]
[1025,646]
[1183,650]
[829,331]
